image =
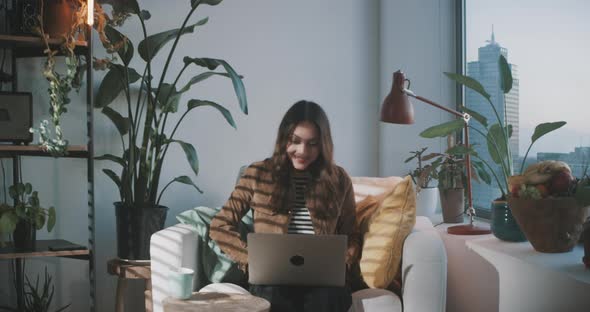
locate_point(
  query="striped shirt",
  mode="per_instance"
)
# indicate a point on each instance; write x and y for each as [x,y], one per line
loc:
[300,219]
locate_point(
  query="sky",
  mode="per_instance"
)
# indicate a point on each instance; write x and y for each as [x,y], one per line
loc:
[549,41]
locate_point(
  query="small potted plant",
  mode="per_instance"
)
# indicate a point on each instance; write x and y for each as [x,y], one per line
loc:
[550,205]
[449,168]
[423,175]
[26,216]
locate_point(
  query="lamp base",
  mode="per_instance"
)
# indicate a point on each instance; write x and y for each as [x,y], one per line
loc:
[468,229]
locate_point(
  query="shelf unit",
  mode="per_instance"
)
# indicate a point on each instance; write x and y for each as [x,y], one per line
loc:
[27,47]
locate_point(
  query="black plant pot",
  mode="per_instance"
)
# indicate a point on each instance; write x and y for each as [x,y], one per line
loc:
[24,236]
[135,227]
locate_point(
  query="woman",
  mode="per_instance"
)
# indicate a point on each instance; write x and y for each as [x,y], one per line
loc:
[298,190]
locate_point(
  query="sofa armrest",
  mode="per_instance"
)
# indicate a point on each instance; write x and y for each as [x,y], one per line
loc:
[424,269]
[175,246]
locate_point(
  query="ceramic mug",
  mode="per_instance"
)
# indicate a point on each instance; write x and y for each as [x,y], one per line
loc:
[180,282]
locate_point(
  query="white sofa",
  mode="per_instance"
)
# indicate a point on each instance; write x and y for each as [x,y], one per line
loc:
[424,270]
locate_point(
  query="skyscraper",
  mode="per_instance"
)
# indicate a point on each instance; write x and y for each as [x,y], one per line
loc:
[487,72]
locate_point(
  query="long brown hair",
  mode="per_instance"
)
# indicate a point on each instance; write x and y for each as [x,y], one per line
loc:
[323,170]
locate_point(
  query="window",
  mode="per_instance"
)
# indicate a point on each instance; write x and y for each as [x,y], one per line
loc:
[546,42]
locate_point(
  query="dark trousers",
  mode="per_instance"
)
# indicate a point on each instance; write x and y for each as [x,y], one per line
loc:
[304,298]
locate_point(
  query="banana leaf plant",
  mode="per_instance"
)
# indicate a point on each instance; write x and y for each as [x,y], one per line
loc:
[151,96]
[496,135]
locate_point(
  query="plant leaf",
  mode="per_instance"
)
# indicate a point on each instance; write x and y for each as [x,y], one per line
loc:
[20,188]
[460,150]
[239,88]
[8,222]
[113,83]
[496,134]
[544,128]
[112,158]
[188,181]
[469,83]
[122,123]
[410,158]
[505,74]
[430,156]
[477,116]
[113,177]
[443,129]
[39,221]
[150,46]
[209,2]
[482,172]
[168,98]
[200,77]
[191,155]
[126,50]
[145,15]
[12,192]
[28,188]
[20,210]
[50,219]
[226,113]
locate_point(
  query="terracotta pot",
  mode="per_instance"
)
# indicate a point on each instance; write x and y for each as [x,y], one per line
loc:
[58,17]
[552,225]
[452,202]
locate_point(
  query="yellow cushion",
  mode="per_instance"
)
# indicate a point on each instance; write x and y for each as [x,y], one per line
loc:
[378,187]
[391,224]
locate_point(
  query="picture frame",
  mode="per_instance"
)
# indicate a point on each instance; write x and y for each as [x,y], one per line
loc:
[16,117]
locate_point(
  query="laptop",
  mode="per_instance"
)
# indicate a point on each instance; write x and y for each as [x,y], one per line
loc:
[296,259]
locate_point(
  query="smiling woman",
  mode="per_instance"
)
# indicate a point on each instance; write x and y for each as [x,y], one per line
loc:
[299,190]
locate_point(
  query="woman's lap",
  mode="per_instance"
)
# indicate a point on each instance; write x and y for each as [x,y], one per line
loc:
[304,298]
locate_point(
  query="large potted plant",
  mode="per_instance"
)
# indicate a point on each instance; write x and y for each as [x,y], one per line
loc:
[497,137]
[25,217]
[151,96]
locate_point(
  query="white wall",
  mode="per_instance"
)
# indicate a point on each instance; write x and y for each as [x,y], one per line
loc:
[417,37]
[339,53]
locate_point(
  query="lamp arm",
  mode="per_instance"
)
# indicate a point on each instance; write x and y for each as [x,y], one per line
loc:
[425,100]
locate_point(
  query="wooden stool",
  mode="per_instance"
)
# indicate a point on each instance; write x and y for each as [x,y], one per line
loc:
[213,301]
[129,269]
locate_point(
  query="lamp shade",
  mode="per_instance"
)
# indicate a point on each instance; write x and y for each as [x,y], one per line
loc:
[396,107]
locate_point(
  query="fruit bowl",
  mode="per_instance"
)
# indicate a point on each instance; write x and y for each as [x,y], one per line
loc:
[552,225]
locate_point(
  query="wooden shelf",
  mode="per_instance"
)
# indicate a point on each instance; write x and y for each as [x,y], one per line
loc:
[31,46]
[42,250]
[74,151]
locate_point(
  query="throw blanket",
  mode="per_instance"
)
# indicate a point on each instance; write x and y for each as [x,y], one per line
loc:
[216,266]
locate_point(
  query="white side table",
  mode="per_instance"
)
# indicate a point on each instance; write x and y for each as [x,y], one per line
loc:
[534,281]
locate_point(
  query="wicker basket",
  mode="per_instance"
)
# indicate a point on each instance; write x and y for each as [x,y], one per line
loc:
[552,225]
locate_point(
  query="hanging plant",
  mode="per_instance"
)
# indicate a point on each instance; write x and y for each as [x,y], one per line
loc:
[60,84]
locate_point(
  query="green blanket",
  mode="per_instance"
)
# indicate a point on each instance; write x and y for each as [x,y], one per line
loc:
[215,265]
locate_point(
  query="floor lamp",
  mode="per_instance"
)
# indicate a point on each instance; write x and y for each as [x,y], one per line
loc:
[397,109]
